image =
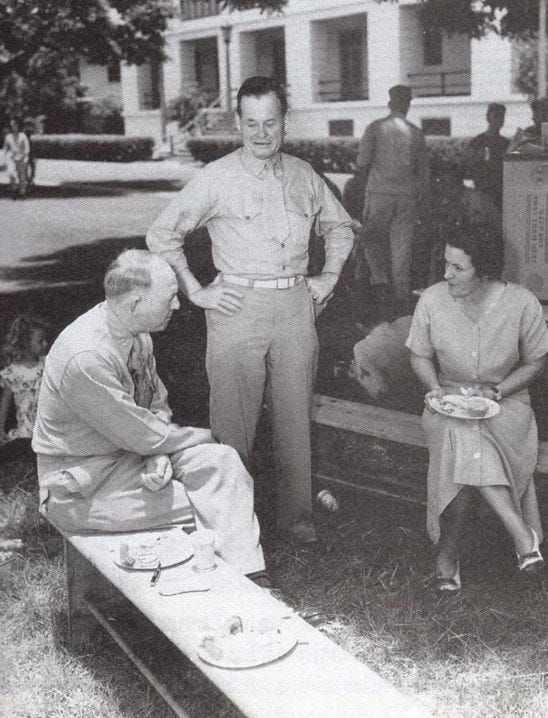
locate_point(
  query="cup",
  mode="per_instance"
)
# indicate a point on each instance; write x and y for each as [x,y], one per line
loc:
[203,542]
[544,134]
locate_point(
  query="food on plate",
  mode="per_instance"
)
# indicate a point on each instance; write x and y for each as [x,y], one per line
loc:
[234,625]
[148,559]
[125,557]
[476,406]
[239,644]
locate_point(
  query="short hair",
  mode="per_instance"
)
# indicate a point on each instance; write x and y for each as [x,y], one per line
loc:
[484,247]
[259,86]
[130,270]
[540,105]
[496,108]
[400,94]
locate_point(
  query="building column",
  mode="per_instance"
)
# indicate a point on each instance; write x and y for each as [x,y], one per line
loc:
[298,60]
[491,68]
[383,42]
[172,70]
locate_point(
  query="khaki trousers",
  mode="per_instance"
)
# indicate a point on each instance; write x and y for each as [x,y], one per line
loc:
[211,489]
[267,351]
[389,223]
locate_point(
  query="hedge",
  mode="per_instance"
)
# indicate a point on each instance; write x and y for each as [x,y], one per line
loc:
[103,148]
[330,155]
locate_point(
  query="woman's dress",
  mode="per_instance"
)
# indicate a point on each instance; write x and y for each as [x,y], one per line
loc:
[498,451]
[24,382]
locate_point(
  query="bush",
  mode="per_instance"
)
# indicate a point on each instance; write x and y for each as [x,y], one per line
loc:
[104,148]
[330,155]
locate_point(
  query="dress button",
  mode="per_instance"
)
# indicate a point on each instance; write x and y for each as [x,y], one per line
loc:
[477,455]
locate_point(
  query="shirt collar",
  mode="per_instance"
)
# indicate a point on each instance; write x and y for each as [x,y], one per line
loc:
[259,167]
[120,334]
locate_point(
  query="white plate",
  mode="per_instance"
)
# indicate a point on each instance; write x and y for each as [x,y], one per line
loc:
[456,409]
[170,548]
[247,649]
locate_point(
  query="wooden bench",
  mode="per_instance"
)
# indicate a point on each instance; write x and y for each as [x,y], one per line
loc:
[384,423]
[316,679]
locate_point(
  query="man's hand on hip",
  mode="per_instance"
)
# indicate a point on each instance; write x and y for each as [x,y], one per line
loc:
[158,473]
[226,300]
[321,287]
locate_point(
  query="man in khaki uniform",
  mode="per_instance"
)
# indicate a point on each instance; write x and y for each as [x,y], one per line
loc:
[392,154]
[259,205]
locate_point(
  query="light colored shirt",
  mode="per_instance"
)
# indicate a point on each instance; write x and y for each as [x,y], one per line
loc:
[227,196]
[393,151]
[16,146]
[87,415]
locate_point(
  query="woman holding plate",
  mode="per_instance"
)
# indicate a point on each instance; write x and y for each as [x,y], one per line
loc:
[474,333]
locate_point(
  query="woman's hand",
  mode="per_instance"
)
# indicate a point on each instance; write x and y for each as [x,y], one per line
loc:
[436,393]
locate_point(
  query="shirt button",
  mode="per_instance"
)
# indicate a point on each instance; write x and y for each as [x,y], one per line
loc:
[283,246]
[477,455]
[306,214]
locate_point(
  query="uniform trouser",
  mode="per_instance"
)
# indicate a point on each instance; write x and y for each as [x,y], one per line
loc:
[389,223]
[268,349]
[211,489]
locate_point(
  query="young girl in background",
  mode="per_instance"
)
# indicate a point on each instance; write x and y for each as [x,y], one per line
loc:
[23,355]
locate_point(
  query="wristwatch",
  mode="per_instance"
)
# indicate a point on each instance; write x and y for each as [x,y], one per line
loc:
[496,392]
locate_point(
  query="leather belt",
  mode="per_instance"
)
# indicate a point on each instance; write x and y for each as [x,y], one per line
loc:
[278,283]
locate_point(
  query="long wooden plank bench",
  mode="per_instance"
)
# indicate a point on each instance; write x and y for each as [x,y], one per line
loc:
[384,423]
[316,679]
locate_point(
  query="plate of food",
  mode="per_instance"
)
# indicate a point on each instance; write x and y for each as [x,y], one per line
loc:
[148,551]
[239,644]
[458,406]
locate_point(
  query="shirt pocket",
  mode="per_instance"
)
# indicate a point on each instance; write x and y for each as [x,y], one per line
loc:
[302,211]
[240,207]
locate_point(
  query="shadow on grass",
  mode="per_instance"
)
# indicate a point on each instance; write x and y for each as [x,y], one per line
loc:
[64,284]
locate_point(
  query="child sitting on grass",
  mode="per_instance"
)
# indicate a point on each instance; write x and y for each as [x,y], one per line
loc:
[22,358]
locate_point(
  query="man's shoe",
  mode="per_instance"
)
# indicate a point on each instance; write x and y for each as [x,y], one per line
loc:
[303,531]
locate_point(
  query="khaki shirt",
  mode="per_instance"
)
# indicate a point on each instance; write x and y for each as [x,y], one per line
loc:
[227,197]
[393,151]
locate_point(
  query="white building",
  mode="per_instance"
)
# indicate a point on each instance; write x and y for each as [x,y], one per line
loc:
[337,59]
[101,81]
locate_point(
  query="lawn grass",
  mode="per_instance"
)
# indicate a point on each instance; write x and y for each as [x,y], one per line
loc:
[483,654]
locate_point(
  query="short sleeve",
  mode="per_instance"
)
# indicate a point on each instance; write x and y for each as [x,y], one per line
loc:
[533,331]
[419,340]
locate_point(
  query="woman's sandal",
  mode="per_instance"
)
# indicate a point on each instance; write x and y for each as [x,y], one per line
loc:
[531,562]
[450,584]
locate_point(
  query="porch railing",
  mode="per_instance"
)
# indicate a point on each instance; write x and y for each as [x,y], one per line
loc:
[440,84]
[192,9]
[336,91]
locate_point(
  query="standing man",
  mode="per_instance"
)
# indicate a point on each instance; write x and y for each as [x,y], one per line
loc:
[392,155]
[259,205]
[485,156]
[109,457]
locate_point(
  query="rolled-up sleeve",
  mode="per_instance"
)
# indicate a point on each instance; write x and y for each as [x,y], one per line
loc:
[92,390]
[191,208]
[334,224]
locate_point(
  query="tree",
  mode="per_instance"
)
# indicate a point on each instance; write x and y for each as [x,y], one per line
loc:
[509,18]
[41,42]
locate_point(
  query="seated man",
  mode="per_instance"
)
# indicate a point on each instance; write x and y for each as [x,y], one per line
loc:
[109,457]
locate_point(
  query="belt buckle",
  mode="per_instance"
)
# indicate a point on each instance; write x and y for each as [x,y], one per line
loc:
[284,283]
